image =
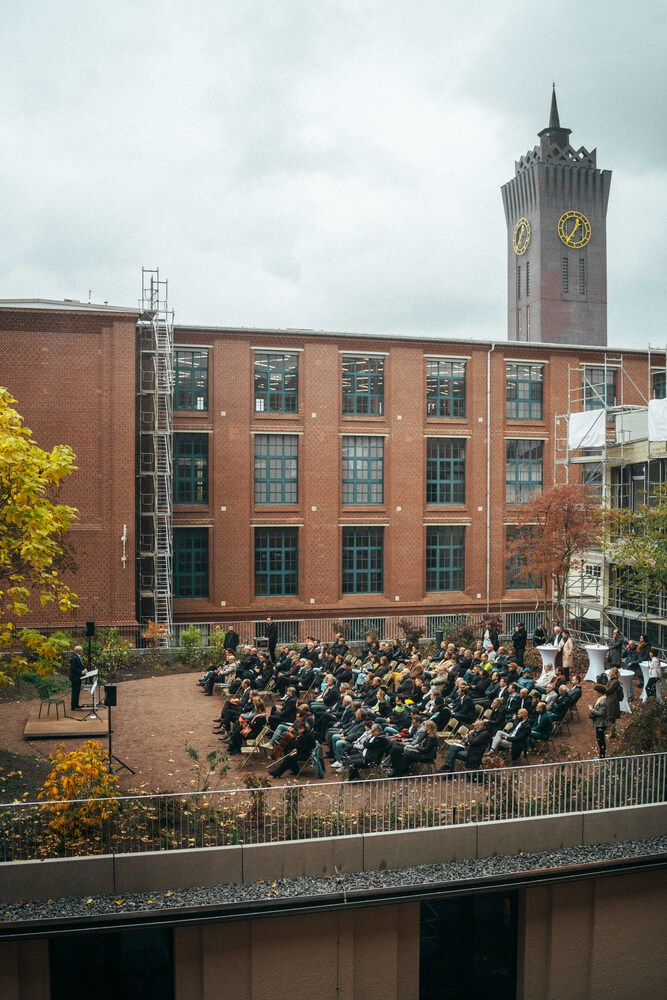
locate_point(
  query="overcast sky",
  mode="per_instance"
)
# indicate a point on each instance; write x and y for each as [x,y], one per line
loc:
[328,164]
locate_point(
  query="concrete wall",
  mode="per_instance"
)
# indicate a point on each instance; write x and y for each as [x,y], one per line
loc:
[355,955]
[597,938]
[365,852]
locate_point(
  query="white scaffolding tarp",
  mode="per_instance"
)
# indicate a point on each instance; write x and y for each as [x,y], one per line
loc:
[657,419]
[587,430]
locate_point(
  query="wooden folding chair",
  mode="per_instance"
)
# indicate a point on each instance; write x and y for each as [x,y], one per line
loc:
[252,747]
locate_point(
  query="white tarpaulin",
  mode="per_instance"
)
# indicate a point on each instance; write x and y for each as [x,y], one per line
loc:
[657,419]
[587,430]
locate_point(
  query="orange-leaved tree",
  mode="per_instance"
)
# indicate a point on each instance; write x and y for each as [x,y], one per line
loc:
[77,777]
[555,528]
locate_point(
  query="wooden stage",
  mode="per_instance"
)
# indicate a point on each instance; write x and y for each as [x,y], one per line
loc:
[74,725]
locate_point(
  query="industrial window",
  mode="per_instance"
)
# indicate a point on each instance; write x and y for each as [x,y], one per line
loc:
[190,468]
[276,562]
[276,468]
[190,379]
[456,961]
[565,275]
[445,557]
[363,386]
[516,577]
[594,570]
[599,387]
[363,560]
[523,470]
[130,963]
[659,385]
[527,279]
[445,470]
[524,391]
[190,562]
[518,281]
[276,382]
[445,388]
[582,276]
[363,470]
[592,476]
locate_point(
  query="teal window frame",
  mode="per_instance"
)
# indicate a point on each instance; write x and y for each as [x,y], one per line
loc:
[363,386]
[191,562]
[524,469]
[276,469]
[363,469]
[190,468]
[524,391]
[445,558]
[276,561]
[445,389]
[516,577]
[599,387]
[445,470]
[363,559]
[190,379]
[276,381]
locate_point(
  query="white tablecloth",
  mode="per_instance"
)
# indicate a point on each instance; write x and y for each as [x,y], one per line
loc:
[597,656]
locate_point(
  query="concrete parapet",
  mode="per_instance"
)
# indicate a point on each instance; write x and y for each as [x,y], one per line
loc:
[303,857]
[512,836]
[56,878]
[179,869]
[631,823]
[424,847]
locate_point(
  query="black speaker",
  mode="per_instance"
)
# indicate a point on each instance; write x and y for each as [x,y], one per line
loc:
[90,629]
[110,695]
[439,636]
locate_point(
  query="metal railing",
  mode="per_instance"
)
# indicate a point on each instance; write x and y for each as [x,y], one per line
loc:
[153,823]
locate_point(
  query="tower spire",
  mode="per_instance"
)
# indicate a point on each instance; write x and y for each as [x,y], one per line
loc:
[554,120]
[554,134]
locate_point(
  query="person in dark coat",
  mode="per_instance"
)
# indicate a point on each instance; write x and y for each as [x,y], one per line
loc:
[76,671]
[297,751]
[231,640]
[614,694]
[271,633]
[370,754]
[475,744]
[615,653]
[519,640]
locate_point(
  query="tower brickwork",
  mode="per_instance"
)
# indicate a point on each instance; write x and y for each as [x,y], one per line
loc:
[555,210]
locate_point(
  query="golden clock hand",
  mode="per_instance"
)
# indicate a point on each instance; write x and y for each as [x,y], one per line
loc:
[568,239]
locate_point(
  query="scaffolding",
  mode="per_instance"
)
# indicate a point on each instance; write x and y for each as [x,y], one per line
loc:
[623,446]
[155,370]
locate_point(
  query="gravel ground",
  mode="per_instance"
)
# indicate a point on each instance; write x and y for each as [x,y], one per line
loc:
[343,885]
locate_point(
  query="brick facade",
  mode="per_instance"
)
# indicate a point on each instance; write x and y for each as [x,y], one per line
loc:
[74,373]
[73,376]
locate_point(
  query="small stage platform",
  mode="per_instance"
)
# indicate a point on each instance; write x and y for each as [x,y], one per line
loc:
[74,725]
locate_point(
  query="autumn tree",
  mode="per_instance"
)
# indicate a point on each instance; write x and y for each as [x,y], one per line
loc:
[32,530]
[637,544]
[556,528]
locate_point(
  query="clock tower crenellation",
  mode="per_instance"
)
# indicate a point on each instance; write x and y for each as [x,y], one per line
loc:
[555,209]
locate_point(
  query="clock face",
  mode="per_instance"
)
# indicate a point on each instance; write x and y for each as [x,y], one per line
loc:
[521,236]
[574,229]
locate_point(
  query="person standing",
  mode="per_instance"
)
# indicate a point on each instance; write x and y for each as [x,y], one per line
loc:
[598,713]
[271,633]
[76,671]
[519,640]
[653,688]
[231,640]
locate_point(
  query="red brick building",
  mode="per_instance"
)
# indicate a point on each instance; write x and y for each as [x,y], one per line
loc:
[315,474]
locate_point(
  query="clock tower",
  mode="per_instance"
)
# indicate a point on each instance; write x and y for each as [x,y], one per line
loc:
[556,210]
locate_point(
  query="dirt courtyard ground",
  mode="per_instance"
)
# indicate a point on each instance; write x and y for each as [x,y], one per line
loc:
[158,716]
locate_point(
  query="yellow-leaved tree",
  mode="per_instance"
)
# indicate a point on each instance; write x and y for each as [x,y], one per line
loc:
[32,531]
